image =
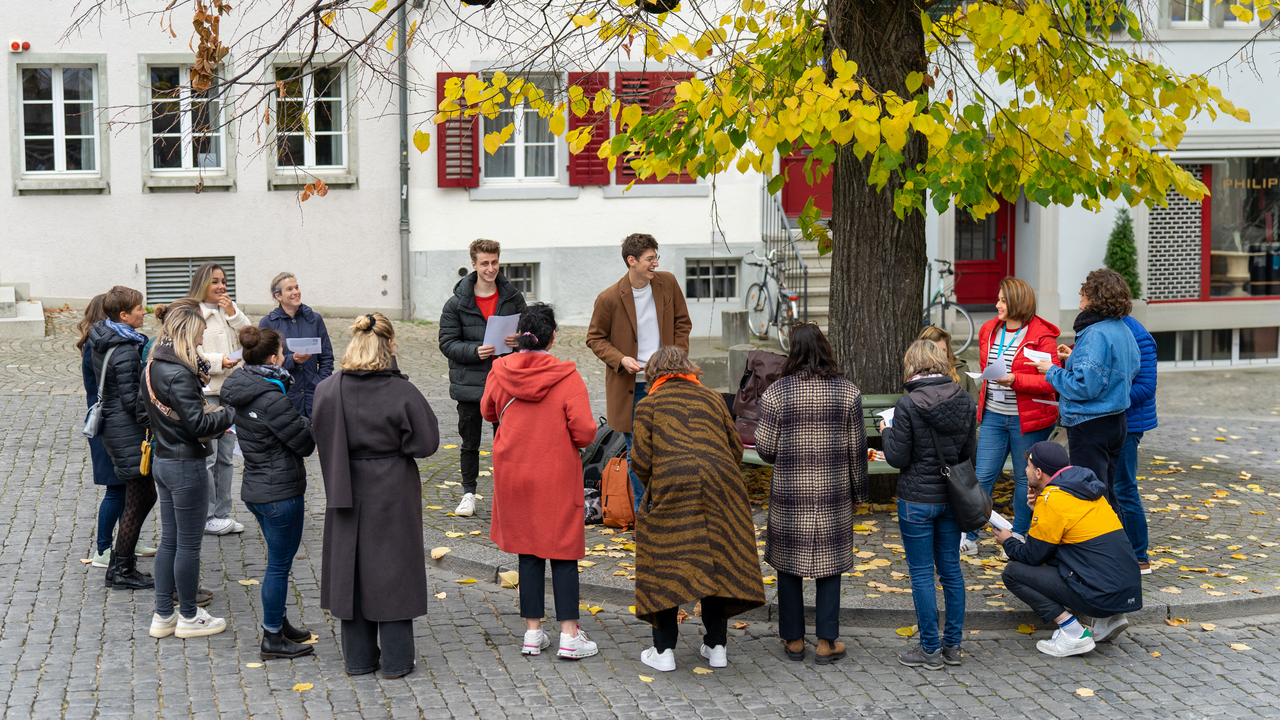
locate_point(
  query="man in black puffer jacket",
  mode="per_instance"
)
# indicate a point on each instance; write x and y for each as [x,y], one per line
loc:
[122,431]
[477,297]
[934,407]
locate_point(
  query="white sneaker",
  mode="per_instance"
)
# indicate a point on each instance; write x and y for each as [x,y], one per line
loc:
[716,656]
[143,551]
[102,559]
[467,507]
[968,546]
[199,626]
[1108,629]
[218,526]
[535,641]
[1061,645]
[235,526]
[576,647]
[163,627]
[664,661]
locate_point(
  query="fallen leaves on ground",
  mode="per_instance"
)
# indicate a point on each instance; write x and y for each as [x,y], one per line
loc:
[435,507]
[253,665]
[510,578]
[740,625]
[702,670]
[441,595]
[476,532]
[1240,647]
[303,686]
[465,581]
[1026,629]
[437,553]
[1175,622]
[1171,590]
[1084,692]
[681,616]
[907,631]
[248,582]
[769,579]
[645,678]
[632,608]
[1155,654]
[311,640]
[594,609]
[1208,626]
[86,561]
[449,447]
[454,534]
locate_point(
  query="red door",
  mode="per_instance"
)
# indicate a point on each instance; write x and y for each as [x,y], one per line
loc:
[797,190]
[984,254]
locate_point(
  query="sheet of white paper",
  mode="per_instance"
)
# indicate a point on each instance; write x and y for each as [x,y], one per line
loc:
[998,520]
[1046,402]
[303,345]
[1035,355]
[887,415]
[497,330]
[237,354]
[994,371]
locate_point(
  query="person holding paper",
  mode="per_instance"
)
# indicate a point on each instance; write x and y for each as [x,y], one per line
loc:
[482,294]
[223,320]
[643,311]
[299,325]
[1009,418]
[1076,557]
[1093,384]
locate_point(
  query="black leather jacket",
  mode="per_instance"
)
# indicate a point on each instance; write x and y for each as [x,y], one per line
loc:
[183,434]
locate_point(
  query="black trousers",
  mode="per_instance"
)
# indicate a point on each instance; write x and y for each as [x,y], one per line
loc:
[365,642]
[667,630]
[533,587]
[1041,587]
[791,607]
[1096,444]
[470,424]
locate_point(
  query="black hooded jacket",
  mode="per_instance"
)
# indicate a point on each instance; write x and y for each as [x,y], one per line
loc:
[273,436]
[940,403]
[122,433]
[462,333]
[183,432]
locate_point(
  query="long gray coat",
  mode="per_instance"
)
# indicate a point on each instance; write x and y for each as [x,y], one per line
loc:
[812,430]
[369,427]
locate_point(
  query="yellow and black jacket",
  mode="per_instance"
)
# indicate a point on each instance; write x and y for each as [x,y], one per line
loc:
[1074,528]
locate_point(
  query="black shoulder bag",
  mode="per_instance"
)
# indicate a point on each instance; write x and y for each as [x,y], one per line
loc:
[970,503]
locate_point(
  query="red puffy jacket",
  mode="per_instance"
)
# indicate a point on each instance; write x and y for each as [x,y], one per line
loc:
[1028,383]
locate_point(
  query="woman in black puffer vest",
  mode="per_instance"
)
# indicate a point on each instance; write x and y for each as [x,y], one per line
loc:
[274,438]
[123,429]
[935,413]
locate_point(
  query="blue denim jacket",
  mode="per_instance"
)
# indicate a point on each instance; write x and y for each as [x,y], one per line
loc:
[1095,382]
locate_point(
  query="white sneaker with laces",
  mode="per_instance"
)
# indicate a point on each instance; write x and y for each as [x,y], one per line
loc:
[664,661]
[968,546]
[1062,645]
[717,656]
[535,641]
[163,627]
[576,647]
[1108,629]
[218,526]
[236,527]
[102,559]
[200,625]
[467,507]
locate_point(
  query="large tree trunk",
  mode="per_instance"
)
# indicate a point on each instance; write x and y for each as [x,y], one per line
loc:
[877,260]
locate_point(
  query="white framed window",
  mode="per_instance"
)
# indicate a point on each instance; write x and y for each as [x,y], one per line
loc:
[524,276]
[186,124]
[1189,13]
[311,118]
[1230,20]
[710,279]
[530,155]
[59,128]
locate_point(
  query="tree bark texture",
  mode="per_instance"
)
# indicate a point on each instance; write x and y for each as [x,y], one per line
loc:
[877,260]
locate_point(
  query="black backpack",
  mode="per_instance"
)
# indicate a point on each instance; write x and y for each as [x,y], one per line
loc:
[609,444]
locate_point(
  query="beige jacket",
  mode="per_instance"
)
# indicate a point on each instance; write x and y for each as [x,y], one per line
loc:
[221,338]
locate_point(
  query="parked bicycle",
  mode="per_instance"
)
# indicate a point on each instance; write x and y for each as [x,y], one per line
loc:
[776,307]
[942,310]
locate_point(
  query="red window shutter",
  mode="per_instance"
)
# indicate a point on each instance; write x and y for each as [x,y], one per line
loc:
[457,145]
[651,91]
[587,168]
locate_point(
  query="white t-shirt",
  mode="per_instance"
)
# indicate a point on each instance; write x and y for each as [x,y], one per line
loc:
[648,337]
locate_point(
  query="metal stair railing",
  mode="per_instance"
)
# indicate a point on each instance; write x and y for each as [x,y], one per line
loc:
[777,233]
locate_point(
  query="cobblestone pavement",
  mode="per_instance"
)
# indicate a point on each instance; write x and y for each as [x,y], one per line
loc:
[70,648]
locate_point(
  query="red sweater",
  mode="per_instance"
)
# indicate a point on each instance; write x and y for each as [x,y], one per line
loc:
[1028,383]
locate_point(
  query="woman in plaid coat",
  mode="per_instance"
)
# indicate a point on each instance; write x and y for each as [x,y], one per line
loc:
[811,429]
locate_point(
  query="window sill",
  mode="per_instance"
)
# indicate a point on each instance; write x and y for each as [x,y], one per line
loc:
[170,183]
[62,186]
[1237,33]
[518,192]
[284,180]
[657,191]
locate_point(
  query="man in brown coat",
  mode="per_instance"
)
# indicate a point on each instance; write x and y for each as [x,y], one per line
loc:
[642,312]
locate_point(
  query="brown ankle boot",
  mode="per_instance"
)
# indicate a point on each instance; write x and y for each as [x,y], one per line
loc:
[794,648]
[829,652]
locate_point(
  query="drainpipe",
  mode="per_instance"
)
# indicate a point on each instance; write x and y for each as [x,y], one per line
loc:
[402,72]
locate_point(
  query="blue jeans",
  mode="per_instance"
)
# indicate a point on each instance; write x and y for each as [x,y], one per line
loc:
[931,539]
[183,486]
[636,488]
[281,524]
[109,514]
[1128,502]
[1000,435]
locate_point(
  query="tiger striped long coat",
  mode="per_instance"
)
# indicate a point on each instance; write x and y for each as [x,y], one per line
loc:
[694,533]
[812,430]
